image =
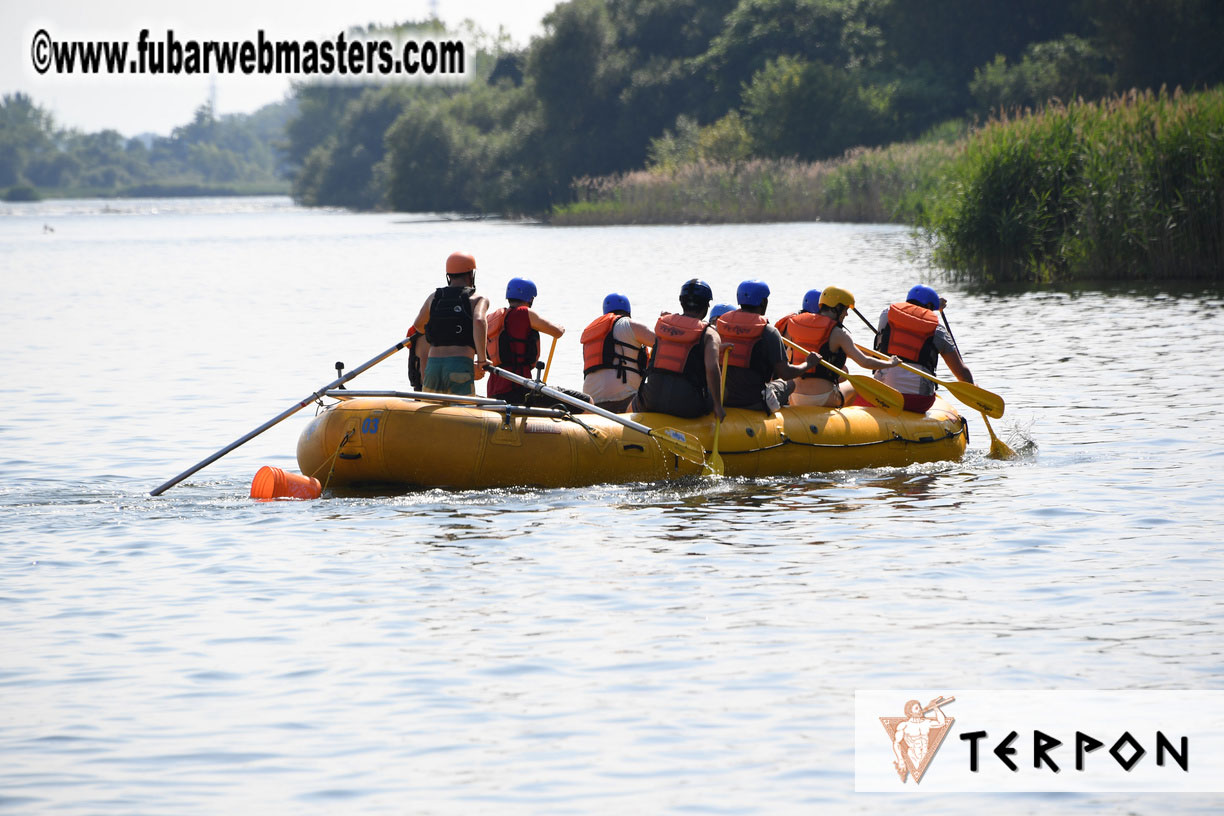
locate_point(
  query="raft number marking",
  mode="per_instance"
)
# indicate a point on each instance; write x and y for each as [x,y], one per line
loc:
[370,425]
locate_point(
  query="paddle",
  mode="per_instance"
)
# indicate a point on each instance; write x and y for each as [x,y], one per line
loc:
[157,491]
[870,389]
[972,395]
[874,330]
[715,465]
[998,448]
[548,365]
[677,442]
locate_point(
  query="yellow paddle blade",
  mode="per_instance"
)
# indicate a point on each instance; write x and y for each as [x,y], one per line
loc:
[974,396]
[998,448]
[684,445]
[874,391]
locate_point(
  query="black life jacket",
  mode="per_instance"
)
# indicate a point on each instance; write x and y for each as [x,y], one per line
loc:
[414,360]
[450,317]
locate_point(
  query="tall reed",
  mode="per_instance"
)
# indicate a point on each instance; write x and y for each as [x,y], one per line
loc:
[1128,188]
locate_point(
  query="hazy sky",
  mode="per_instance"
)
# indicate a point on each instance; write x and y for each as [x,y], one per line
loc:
[136,105]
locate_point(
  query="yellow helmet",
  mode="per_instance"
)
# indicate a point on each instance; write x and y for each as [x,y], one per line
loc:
[834,296]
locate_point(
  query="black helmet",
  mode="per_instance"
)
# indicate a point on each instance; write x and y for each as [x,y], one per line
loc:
[696,290]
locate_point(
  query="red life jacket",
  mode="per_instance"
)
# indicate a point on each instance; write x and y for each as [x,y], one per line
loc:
[512,343]
[744,330]
[812,331]
[676,336]
[600,349]
[910,334]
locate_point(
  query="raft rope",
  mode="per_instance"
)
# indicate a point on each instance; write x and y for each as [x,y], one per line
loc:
[332,459]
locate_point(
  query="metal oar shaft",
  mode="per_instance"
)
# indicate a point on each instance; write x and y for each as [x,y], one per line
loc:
[553,393]
[157,491]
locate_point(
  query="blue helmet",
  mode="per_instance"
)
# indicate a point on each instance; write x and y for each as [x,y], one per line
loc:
[752,293]
[520,289]
[616,303]
[697,290]
[720,310]
[924,296]
[811,301]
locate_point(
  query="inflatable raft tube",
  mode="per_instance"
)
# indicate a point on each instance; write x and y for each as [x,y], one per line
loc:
[399,442]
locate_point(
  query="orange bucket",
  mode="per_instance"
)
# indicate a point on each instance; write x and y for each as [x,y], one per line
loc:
[274,483]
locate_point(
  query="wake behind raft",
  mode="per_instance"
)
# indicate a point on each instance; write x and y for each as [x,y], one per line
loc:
[399,440]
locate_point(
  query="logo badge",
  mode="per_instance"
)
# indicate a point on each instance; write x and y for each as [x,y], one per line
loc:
[917,736]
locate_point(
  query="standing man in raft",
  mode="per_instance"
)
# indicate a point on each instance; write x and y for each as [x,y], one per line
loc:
[453,320]
[514,340]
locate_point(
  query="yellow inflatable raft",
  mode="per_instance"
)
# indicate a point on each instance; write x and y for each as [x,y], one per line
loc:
[390,439]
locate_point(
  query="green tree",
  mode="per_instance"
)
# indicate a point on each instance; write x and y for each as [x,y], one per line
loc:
[26,133]
[341,170]
[1162,42]
[1065,69]
[811,110]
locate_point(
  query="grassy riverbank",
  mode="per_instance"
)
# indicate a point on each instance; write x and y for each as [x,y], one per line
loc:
[152,190]
[1127,189]
[880,185]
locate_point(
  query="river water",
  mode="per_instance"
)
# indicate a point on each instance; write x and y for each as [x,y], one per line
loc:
[632,648]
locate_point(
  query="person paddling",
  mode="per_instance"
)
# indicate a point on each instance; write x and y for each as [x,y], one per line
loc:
[514,339]
[453,320]
[614,355]
[824,333]
[683,376]
[911,331]
[759,373]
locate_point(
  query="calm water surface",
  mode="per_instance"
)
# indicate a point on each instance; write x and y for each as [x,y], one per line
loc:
[621,649]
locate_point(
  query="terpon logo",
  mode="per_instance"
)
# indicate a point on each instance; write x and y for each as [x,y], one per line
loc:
[917,736]
[1072,741]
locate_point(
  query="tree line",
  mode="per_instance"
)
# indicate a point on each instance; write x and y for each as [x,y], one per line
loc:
[617,85]
[210,154]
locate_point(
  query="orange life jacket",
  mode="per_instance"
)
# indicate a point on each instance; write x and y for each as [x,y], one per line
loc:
[675,338]
[743,329]
[812,331]
[910,334]
[518,354]
[600,349]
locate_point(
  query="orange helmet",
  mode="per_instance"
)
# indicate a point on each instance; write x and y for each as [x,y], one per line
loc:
[460,263]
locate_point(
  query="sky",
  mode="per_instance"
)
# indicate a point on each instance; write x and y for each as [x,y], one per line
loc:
[134,105]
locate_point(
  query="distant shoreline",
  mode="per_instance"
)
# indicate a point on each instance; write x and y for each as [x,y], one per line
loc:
[26,193]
